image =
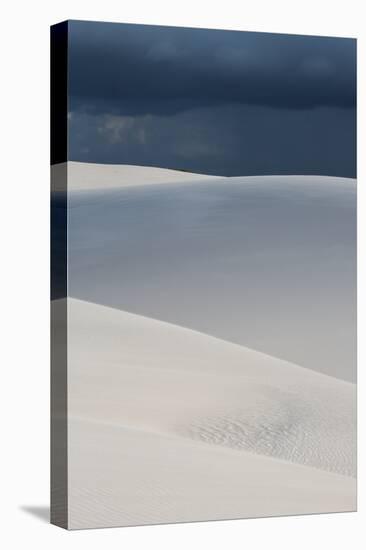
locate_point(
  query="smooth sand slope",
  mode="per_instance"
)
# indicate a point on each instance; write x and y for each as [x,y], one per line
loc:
[91,176]
[265,262]
[168,424]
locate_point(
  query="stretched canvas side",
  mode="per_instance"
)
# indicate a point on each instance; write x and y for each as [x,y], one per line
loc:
[59,447]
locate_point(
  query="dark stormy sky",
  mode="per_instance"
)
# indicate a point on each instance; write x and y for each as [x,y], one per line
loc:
[217,102]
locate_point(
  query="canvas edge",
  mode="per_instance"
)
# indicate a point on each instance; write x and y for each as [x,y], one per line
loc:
[58,283]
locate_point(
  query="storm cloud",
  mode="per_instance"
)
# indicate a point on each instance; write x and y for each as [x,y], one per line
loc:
[226,102]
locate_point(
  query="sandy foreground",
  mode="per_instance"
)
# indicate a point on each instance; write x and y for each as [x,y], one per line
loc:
[167,424]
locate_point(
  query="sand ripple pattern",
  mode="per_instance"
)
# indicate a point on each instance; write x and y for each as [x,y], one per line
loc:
[317,429]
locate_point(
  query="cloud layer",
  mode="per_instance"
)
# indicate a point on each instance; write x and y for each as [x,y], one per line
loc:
[213,101]
[175,68]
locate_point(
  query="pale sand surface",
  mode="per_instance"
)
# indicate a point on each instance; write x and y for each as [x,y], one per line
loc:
[265,262]
[172,424]
[88,176]
[167,424]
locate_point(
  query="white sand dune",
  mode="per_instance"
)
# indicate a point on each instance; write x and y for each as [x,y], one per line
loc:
[266,262]
[91,176]
[174,424]
[167,424]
